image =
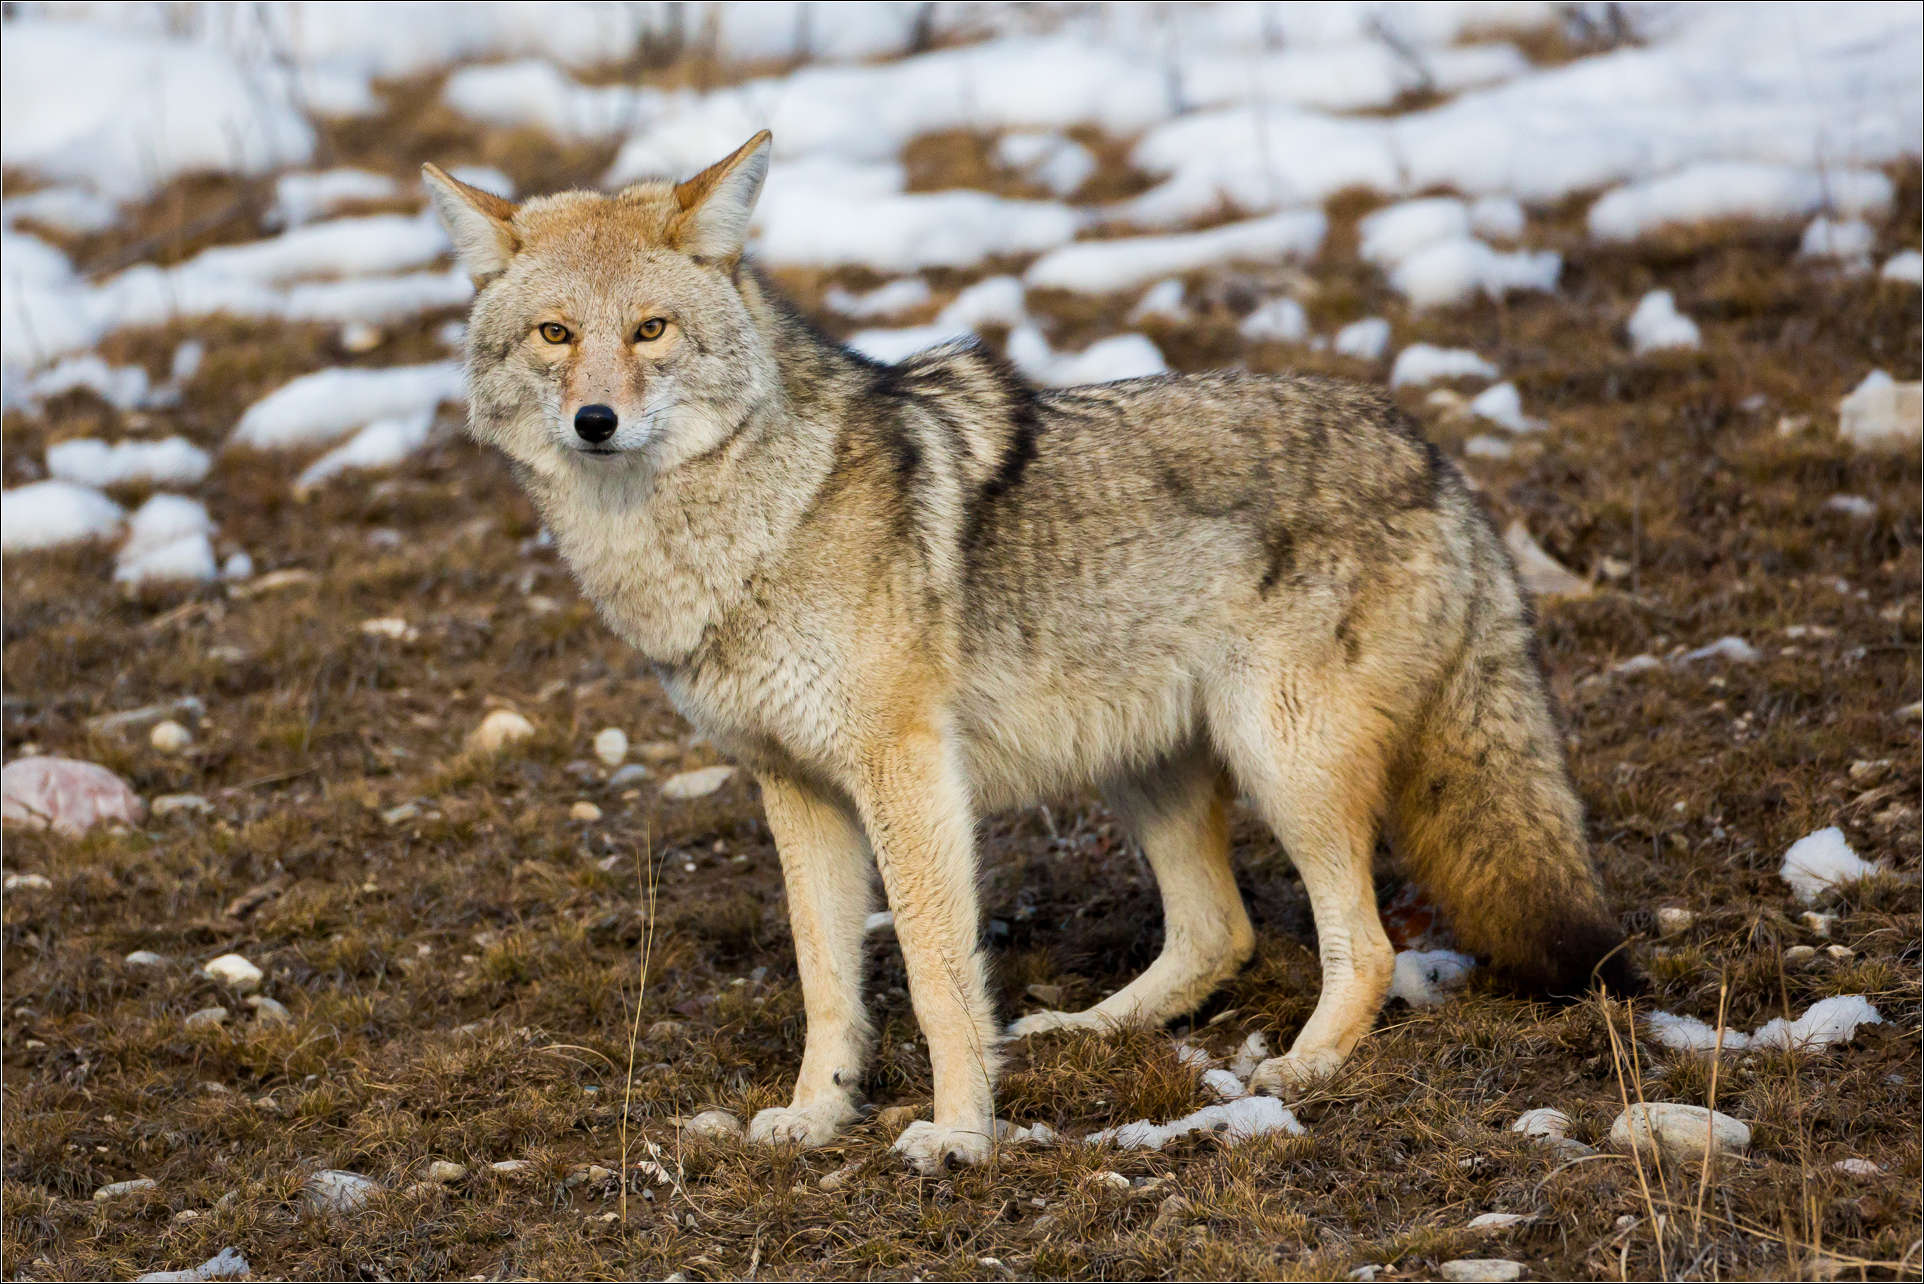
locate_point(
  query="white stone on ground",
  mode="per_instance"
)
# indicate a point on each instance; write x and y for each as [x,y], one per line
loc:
[611,746]
[114,1190]
[1731,648]
[443,1171]
[584,810]
[269,1011]
[145,958]
[1674,920]
[1818,862]
[27,883]
[1855,1167]
[501,728]
[234,972]
[714,1123]
[1679,1131]
[333,1190]
[65,795]
[699,783]
[170,737]
[228,1264]
[169,804]
[1853,506]
[1540,573]
[1480,1268]
[1543,1123]
[207,1019]
[1497,1221]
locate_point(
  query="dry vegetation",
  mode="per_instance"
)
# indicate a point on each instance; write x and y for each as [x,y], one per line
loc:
[463,983]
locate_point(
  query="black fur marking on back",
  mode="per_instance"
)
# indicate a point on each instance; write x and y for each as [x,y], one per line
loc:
[1281,545]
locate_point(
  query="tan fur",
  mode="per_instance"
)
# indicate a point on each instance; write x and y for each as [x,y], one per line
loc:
[909,596]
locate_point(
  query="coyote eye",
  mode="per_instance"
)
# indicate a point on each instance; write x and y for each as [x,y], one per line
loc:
[554,332]
[650,330]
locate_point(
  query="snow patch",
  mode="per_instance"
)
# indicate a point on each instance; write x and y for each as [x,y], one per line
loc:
[1426,978]
[1825,1023]
[88,461]
[1656,324]
[47,514]
[1125,263]
[1818,862]
[1234,1121]
[1422,363]
[319,407]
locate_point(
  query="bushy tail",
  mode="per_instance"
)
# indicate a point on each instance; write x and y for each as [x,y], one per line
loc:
[1486,819]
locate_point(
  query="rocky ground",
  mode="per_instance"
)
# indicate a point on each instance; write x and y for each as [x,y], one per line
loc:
[498,987]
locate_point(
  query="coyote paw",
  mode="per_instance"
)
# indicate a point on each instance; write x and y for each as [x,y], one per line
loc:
[1043,1022]
[932,1148]
[1290,1076]
[797,1125]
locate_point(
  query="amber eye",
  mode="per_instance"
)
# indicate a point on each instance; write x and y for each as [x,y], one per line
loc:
[650,330]
[554,332]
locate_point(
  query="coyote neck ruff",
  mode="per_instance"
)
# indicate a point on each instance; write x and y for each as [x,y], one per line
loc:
[907,595]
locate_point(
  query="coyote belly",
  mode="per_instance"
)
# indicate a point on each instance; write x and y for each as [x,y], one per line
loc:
[907,595]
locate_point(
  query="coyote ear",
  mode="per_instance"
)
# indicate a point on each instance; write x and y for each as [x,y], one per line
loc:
[480,224]
[715,204]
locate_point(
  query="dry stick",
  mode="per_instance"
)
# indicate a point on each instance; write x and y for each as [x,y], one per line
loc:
[649,884]
[1710,1122]
[1636,1151]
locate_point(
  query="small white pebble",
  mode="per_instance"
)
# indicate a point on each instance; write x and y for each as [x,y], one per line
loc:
[235,972]
[170,737]
[611,746]
[584,810]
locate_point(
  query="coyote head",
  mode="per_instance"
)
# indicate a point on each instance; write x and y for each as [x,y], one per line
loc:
[609,332]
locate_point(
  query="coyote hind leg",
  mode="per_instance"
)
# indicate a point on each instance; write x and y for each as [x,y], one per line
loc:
[1179,812]
[1319,783]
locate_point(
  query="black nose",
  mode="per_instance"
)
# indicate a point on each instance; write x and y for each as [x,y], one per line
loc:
[595,423]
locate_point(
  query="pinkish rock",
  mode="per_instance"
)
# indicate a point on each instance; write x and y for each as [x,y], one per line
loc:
[65,795]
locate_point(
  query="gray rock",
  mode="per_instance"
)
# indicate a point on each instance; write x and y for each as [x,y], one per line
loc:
[269,1011]
[333,1190]
[628,777]
[714,1123]
[1678,1131]
[207,1019]
[114,1190]
[443,1171]
[1481,1268]
[699,783]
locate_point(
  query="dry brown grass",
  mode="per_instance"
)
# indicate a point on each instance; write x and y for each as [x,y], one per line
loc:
[463,985]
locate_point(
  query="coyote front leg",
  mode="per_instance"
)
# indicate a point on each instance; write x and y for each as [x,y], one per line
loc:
[916,809]
[826,864]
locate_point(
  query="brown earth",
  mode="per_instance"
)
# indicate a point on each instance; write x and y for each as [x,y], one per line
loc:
[465,984]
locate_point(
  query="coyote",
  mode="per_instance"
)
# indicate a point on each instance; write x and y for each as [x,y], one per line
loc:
[907,596]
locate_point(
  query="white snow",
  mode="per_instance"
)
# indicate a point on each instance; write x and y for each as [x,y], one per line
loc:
[995,300]
[1840,239]
[1162,301]
[1366,340]
[1818,862]
[1905,265]
[1498,217]
[1223,1084]
[824,226]
[1425,978]
[1422,363]
[1120,356]
[891,346]
[1395,232]
[1502,405]
[1237,1120]
[1276,321]
[324,405]
[69,209]
[1457,269]
[381,444]
[123,112]
[1730,648]
[88,461]
[904,295]
[1656,324]
[302,198]
[122,387]
[1732,189]
[1826,1022]
[45,514]
[1058,163]
[1124,263]
[1881,414]
[167,539]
